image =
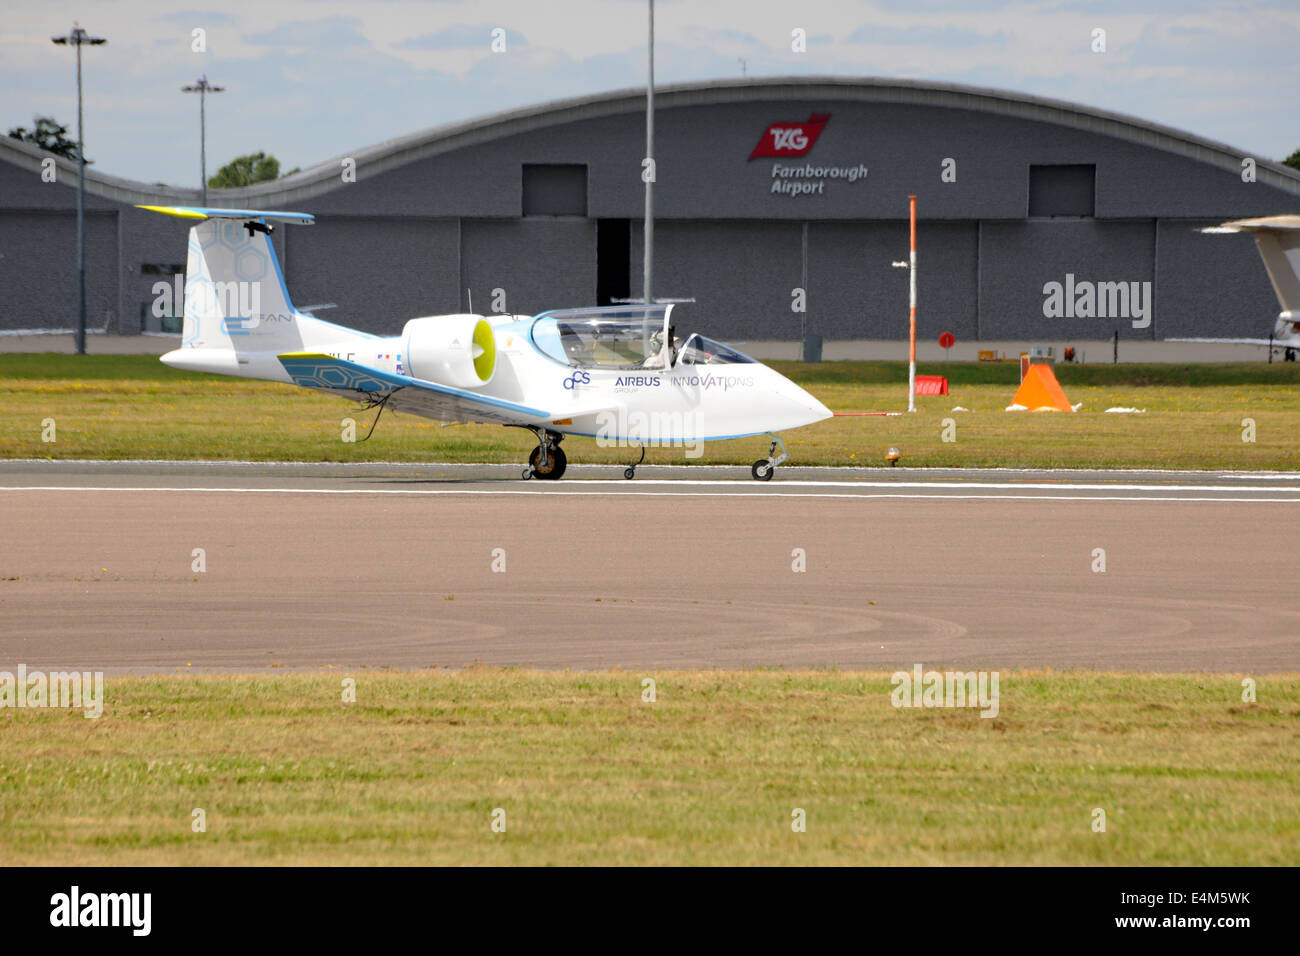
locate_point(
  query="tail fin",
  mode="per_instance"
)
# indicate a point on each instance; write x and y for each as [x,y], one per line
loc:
[235,296]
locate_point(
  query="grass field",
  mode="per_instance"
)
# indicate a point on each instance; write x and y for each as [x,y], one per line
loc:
[711,772]
[135,407]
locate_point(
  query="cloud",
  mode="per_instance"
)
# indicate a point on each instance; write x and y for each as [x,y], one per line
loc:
[736,36]
[312,79]
[334,34]
[461,37]
[943,38]
[197,17]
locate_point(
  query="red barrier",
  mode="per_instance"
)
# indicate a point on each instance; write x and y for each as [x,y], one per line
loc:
[931,385]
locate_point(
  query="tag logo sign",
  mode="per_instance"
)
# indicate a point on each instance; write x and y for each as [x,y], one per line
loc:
[790,139]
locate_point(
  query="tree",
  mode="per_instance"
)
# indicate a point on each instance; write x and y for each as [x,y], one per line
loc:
[50,135]
[1293,160]
[246,170]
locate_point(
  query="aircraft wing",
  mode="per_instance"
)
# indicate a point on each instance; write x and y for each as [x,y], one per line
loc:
[1278,241]
[1282,343]
[325,373]
[1261,224]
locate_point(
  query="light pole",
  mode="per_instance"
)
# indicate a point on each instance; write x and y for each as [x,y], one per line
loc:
[79,38]
[649,231]
[203,88]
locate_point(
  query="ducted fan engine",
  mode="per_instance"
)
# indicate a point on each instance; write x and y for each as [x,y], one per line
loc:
[455,350]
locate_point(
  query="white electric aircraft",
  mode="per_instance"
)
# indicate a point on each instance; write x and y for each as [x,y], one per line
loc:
[616,374]
[1278,240]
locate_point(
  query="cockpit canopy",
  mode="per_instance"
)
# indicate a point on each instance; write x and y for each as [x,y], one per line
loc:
[624,337]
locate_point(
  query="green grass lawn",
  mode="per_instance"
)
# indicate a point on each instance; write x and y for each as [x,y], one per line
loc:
[710,773]
[135,407]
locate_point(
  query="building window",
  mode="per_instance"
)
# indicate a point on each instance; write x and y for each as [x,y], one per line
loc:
[1062,190]
[555,189]
[161,268]
[170,321]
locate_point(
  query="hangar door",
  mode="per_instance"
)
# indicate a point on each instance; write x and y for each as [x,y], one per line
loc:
[854,291]
[740,274]
[40,258]
[528,265]
[1067,279]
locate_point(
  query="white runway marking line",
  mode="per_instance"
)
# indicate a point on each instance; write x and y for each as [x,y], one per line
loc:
[963,485]
[989,485]
[1216,472]
[753,493]
[753,486]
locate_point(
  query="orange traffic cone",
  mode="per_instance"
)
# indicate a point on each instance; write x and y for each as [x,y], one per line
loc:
[1040,389]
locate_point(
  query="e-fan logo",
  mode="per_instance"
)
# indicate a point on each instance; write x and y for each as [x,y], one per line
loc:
[790,139]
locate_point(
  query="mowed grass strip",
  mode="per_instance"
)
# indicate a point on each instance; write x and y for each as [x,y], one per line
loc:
[709,773]
[115,407]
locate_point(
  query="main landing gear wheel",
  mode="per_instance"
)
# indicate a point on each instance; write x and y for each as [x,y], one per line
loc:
[556,462]
[765,468]
[546,461]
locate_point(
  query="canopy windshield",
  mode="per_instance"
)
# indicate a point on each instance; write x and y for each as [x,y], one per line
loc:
[701,351]
[621,336]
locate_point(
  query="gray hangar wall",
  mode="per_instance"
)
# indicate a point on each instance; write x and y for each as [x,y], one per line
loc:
[442,216]
[725,239]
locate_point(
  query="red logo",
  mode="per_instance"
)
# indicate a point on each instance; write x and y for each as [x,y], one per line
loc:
[790,139]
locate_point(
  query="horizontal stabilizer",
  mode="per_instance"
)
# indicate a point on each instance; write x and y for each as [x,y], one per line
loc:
[204,212]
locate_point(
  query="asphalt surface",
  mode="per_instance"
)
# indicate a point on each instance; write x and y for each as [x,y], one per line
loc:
[354,566]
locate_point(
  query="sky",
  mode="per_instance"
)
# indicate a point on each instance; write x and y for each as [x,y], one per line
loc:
[310,80]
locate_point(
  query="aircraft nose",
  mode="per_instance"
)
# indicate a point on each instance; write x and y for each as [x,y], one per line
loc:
[818,410]
[801,406]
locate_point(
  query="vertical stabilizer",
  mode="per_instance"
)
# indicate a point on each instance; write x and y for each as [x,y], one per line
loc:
[235,296]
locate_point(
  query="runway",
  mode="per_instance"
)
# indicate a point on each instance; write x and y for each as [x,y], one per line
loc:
[355,566]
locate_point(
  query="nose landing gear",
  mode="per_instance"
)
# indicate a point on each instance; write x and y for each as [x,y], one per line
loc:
[765,468]
[630,471]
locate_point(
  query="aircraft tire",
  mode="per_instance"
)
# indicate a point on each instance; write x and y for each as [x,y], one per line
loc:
[558,463]
[762,470]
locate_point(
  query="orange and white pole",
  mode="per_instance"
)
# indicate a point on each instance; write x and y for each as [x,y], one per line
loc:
[911,349]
